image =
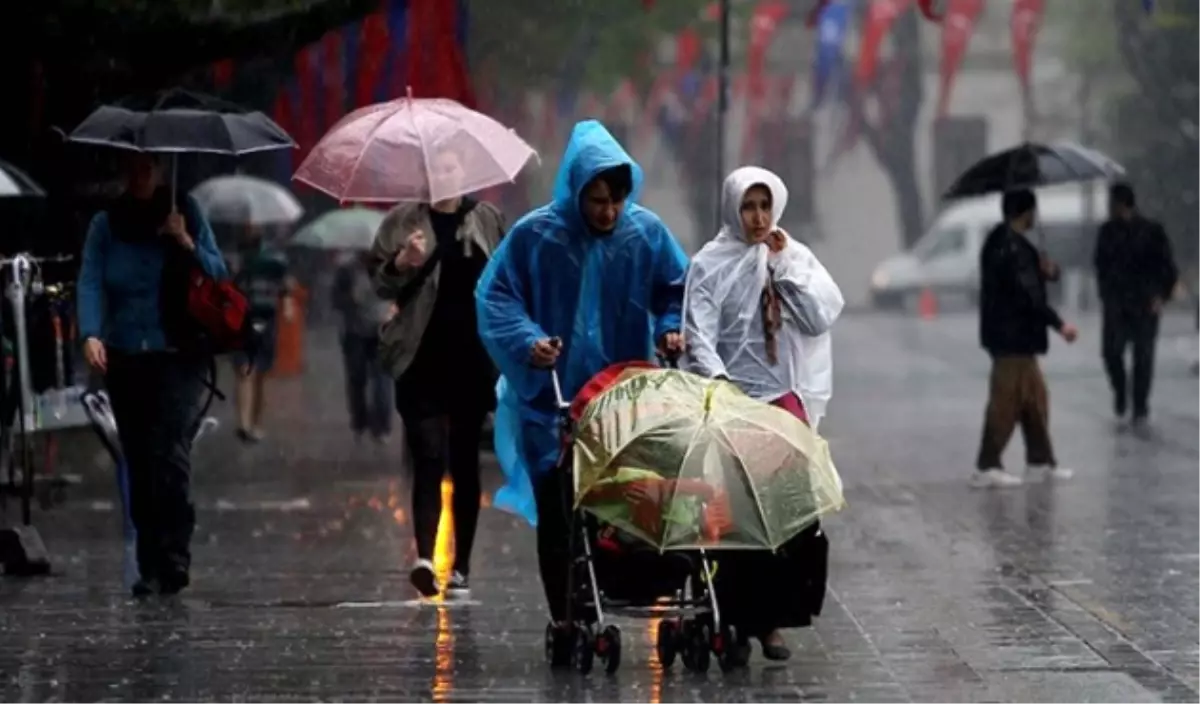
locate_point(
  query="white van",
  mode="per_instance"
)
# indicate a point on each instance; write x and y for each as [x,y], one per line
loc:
[946,258]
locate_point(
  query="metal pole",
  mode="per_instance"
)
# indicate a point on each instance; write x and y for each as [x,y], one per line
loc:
[21,268]
[722,102]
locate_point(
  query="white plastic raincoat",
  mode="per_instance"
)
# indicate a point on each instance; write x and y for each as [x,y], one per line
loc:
[723,325]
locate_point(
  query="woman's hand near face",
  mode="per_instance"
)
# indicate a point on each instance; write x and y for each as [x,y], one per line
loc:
[777,240]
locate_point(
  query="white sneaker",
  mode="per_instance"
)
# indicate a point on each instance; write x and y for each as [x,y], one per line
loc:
[995,478]
[458,587]
[425,579]
[1047,472]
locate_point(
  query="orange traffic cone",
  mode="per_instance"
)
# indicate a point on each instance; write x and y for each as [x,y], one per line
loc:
[289,335]
[927,305]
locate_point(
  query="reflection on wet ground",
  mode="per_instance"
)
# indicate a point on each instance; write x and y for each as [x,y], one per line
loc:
[1085,591]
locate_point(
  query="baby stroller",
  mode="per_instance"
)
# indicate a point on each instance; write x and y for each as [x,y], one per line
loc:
[618,571]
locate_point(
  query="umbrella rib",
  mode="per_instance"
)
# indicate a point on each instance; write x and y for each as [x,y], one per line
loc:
[641,433]
[1054,153]
[494,160]
[408,101]
[358,160]
[762,514]
[674,488]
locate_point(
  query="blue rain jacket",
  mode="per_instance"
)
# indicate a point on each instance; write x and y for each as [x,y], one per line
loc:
[608,297]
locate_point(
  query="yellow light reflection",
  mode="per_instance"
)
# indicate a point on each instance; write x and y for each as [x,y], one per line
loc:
[443,563]
[443,547]
[443,656]
[656,668]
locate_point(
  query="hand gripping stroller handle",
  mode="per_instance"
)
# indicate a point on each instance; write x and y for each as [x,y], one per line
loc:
[669,361]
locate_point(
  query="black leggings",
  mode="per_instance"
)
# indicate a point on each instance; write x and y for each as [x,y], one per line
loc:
[155,399]
[435,443]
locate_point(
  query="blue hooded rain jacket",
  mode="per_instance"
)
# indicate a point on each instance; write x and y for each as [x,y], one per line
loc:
[608,296]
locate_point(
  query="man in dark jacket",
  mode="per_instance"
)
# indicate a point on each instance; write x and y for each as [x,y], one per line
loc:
[1014,317]
[1136,274]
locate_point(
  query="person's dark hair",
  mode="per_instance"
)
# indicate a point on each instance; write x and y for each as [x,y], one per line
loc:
[1122,194]
[619,180]
[1017,202]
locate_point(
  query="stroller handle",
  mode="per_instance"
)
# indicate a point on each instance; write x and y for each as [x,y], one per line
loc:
[558,394]
[669,361]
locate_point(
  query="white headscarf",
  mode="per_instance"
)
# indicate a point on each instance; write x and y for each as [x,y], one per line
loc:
[723,325]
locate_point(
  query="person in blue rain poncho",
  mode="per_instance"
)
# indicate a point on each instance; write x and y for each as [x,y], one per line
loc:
[588,280]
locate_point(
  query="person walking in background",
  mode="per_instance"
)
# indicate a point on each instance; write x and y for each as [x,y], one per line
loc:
[368,386]
[1136,274]
[263,276]
[1014,316]
[154,385]
[427,259]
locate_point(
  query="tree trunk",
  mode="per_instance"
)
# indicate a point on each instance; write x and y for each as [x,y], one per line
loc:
[901,169]
[899,90]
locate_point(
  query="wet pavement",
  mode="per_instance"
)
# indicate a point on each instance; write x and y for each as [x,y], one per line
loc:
[1081,591]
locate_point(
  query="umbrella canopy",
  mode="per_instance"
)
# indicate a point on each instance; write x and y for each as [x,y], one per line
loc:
[1032,165]
[246,200]
[15,183]
[347,229]
[179,121]
[422,150]
[684,462]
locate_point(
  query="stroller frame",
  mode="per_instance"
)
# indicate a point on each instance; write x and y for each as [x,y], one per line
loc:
[690,626]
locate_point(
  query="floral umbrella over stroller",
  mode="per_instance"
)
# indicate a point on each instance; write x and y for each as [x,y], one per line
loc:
[684,462]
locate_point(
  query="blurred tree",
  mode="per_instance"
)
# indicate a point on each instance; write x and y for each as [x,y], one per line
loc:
[1156,124]
[898,93]
[584,44]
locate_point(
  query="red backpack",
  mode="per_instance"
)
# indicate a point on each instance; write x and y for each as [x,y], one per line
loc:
[219,309]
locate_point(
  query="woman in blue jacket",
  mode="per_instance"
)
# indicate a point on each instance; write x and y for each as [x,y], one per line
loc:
[154,388]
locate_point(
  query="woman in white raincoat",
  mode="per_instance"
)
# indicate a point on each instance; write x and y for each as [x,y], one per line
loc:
[759,306]
[757,312]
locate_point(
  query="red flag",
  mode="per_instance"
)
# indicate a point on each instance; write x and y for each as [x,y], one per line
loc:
[764,24]
[1026,18]
[930,12]
[959,24]
[373,45]
[306,83]
[687,51]
[333,78]
[880,17]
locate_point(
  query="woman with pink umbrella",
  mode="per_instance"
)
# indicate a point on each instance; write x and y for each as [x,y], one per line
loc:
[427,256]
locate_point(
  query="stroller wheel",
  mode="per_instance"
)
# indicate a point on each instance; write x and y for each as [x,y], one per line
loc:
[668,642]
[558,646]
[608,647]
[731,648]
[696,647]
[583,650]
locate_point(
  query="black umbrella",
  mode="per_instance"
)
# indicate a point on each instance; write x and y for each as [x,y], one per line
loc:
[15,183]
[1032,165]
[177,121]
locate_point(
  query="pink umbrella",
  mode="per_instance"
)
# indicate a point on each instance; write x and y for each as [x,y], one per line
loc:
[424,150]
